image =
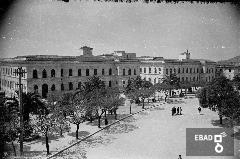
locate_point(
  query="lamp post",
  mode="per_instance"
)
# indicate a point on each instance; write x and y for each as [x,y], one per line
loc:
[20,72]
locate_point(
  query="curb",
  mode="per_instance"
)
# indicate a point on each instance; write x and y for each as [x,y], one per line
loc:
[54,155]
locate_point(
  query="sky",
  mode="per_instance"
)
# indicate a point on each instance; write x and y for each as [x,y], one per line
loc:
[41,27]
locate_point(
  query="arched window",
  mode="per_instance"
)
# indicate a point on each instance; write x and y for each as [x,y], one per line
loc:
[170,71]
[53,88]
[179,70]
[155,81]
[52,73]
[135,72]
[35,88]
[187,70]
[155,70]
[35,75]
[70,85]
[110,71]
[62,87]
[129,72]
[44,90]
[44,74]
[87,72]
[70,72]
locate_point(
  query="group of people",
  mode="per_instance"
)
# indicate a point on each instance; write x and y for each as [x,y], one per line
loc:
[176,111]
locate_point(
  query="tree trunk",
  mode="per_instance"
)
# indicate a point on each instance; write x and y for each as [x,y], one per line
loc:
[130,108]
[99,121]
[143,103]
[220,117]
[47,145]
[77,131]
[115,114]
[106,121]
[91,119]
[14,150]
[61,131]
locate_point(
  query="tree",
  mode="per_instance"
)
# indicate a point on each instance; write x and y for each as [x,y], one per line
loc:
[172,81]
[79,108]
[10,120]
[236,81]
[139,88]
[220,95]
[44,124]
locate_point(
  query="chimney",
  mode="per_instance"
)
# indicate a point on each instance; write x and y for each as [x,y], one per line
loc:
[87,51]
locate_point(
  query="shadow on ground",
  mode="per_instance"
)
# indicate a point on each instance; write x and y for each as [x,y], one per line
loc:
[81,134]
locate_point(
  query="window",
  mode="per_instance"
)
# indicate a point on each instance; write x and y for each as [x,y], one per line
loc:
[144,70]
[174,70]
[129,72]
[70,86]
[35,75]
[155,81]
[194,70]
[95,72]
[103,72]
[179,70]
[52,73]
[182,78]
[155,70]
[53,88]
[159,69]
[194,79]
[135,72]
[140,70]
[79,72]
[190,70]
[150,70]
[182,70]
[62,87]
[166,71]
[110,84]
[123,72]
[70,72]
[197,70]
[44,74]
[186,79]
[123,82]
[187,70]
[229,70]
[170,71]
[61,72]
[110,72]
[87,72]
[202,70]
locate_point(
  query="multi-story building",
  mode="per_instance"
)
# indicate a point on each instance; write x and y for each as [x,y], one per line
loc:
[51,73]
[228,70]
[191,70]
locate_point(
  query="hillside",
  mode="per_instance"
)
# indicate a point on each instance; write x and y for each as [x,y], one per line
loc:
[232,61]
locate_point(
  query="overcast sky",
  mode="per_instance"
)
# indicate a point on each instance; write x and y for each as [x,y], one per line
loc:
[208,31]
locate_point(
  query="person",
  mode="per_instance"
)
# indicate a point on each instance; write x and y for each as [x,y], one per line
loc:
[179,157]
[199,110]
[178,108]
[166,97]
[173,110]
[180,111]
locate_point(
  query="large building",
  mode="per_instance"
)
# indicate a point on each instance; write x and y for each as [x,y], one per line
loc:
[155,69]
[51,73]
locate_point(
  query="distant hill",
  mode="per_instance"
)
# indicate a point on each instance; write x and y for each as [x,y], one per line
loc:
[232,61]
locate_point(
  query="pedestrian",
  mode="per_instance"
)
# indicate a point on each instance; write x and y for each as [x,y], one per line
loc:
[179,157]
[166,97]
[178,110]
[173,110]
[199,110]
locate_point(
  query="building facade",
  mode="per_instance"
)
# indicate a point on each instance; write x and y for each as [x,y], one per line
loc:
[60,74]
[186,69]
[227,70]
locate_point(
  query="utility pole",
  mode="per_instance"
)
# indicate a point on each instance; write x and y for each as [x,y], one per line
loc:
[20,73]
